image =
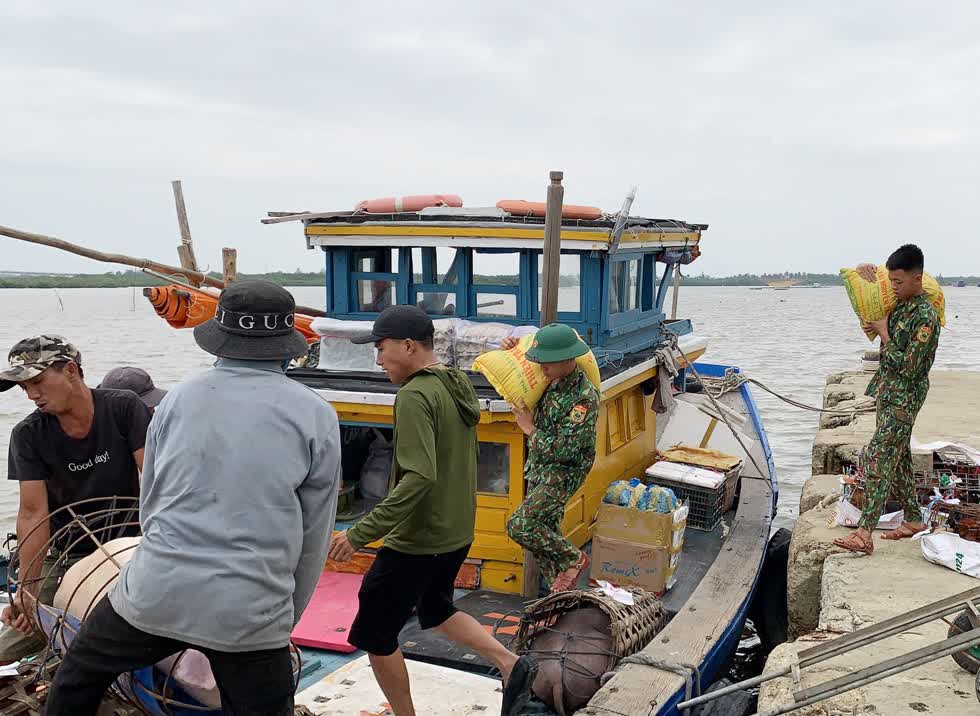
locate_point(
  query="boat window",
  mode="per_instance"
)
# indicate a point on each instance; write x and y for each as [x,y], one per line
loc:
[376,261]
[503,305]
[493,471]
[624,287]
[438,266]
[496,268]
[569,288]
[447,265]
[436,303]
[374,296]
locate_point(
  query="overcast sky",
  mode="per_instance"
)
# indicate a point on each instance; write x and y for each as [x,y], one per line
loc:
[809,135]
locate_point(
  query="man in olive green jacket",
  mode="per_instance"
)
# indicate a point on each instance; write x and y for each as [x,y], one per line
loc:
[427,519]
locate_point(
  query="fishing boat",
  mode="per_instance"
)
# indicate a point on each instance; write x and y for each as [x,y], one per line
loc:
[477,272]
[476,268]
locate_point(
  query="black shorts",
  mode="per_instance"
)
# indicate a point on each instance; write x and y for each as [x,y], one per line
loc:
[395,584]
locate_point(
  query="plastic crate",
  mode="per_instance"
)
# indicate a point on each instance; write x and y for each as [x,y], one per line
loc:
[705,506]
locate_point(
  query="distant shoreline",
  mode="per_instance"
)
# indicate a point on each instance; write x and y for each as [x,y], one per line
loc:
[127,279]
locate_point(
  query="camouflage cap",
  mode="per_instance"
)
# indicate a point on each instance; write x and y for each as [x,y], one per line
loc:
[32,356]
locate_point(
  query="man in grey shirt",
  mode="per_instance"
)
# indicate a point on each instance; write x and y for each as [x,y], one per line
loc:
[237,503]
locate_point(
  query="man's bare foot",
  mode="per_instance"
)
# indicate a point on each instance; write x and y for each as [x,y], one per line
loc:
[908,529]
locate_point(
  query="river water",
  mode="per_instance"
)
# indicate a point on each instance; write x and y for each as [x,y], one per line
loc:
[790,340]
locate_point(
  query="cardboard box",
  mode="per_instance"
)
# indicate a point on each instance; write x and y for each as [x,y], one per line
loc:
[629,564]
[637,548]
[651,529]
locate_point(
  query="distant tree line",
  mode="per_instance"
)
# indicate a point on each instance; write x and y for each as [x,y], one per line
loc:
[125,279]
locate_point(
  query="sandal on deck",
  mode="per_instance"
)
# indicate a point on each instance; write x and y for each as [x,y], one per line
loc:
[904,532]
[855,543]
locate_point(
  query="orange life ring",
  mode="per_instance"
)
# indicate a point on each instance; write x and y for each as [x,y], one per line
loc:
[519,207]
[394,205]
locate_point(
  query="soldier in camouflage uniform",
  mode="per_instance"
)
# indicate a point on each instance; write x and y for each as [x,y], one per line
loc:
[561,449]
[909,337]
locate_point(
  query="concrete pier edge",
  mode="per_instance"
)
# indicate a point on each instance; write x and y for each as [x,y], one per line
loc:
[832,592]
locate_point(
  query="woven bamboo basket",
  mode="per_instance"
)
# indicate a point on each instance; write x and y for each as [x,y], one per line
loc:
[633,626]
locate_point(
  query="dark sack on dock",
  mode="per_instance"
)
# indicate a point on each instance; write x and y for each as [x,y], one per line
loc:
[572,657]
[579,636]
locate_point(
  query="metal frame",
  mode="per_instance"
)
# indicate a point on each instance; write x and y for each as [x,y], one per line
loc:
[859,639]
[610,335]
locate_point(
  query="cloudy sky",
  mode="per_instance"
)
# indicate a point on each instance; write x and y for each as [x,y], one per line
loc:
[808,135]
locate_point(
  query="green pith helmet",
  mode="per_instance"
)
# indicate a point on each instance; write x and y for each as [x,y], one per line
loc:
[554,343]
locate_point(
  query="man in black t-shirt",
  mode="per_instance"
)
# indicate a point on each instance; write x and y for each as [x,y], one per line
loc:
[78,445]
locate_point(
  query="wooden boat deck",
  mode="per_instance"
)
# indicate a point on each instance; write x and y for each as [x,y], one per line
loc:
[709,601]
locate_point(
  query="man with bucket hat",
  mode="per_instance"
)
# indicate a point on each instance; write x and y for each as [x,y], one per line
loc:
[560,451]
[237,506]
[81,445]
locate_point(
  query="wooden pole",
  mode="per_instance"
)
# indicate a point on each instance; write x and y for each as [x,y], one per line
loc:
[192,276]
[185,250]
[229,260]
[550,271]
[551,255]
[677,287]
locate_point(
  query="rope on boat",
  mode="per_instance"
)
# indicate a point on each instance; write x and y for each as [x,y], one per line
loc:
[672,341]
[733,381]
[689,672]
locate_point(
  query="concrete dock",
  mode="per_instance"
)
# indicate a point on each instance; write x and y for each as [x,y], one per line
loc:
[832,592]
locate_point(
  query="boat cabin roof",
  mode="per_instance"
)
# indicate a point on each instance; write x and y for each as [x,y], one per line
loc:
[485,265]
[491,227]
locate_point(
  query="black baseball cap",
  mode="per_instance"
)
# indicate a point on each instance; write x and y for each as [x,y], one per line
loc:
[398,322]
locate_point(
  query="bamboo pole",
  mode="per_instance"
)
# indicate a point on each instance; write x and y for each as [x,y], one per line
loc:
[191,276]
[161,271]
[677,288]
[185,250]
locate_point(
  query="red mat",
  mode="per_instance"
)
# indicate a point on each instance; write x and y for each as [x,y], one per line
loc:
[330,613]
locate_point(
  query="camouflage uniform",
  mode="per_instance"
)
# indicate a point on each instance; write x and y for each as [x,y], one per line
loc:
[900,385]
[561,451]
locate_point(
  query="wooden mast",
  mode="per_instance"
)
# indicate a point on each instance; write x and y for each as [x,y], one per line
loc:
[550,271]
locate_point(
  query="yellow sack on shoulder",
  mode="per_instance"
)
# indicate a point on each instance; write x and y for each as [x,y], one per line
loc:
[519,380]
[873,301]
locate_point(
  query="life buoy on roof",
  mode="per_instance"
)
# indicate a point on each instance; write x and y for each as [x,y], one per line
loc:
[519,207]
[394,205]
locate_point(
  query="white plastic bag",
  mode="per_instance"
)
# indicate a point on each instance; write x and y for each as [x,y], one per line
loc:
[376,471]
[847,515]
[951,550]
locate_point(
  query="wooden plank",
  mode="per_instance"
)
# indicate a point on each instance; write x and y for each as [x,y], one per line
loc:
[229,261]
[278,217]
[691,635]
[436,690]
